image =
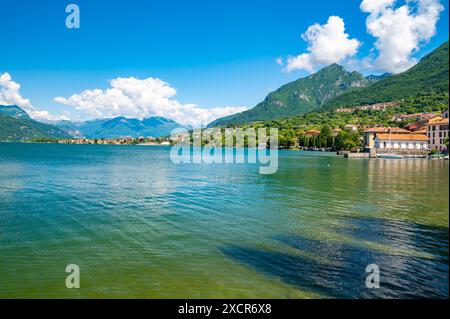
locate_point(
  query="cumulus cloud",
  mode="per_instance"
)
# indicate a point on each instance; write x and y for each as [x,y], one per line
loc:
[400,30]
[327,44]
[10,95]
[136,98]
[10,92]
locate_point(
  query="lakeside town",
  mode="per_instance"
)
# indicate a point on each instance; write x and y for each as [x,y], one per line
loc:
[426,135]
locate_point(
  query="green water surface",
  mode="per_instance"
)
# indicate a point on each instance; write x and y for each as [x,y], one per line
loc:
[140,226]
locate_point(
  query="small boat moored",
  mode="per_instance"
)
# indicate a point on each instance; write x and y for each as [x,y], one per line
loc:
[394,156]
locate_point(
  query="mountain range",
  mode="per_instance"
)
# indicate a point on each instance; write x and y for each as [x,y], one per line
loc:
[17,126]
[334,87]
[119,127]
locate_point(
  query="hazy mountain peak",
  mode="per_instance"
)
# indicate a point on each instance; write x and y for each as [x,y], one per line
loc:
[120,127]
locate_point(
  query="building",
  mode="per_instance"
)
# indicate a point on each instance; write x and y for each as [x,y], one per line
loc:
[421,131]
[413,117]
[336,131]
[369,134]
[312,132]
[351,127]
[400,142]
[373,107]
[412,127]
[445,114]
[437,133]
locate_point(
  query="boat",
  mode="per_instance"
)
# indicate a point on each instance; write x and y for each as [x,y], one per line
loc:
[395,156]
[437,156]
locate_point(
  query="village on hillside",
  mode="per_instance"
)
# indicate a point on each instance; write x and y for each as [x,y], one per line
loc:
[427,134]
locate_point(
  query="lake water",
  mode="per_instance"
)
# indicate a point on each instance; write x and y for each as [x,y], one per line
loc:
[140,226]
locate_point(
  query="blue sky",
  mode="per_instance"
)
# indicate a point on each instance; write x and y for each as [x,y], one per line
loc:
[214,53]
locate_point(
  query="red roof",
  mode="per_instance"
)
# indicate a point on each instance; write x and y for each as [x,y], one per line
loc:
[386,130]
[402,137]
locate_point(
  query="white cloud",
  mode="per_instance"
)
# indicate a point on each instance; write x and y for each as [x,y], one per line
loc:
[10,92]
[136,98]
[327,44]
[10,95]
[375,5]
[400,31]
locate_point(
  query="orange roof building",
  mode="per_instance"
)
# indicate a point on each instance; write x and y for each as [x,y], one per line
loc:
[401,141]
[402,137]
[312,132]
[369,134]
[386,130]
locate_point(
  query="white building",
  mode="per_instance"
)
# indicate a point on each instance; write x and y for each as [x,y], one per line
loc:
[383,141]
[370,133]
[437,133]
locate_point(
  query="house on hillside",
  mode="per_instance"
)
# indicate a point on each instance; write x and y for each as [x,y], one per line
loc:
[400,142]
[414,117]
[312,133]
[351,127]
[336,131]
[369,134]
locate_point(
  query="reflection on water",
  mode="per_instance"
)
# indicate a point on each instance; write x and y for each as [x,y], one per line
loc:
[140,226]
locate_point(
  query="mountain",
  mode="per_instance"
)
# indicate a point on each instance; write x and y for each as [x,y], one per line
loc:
[301,96]
[120,127]
[14,111]
[429,76]
[17,126]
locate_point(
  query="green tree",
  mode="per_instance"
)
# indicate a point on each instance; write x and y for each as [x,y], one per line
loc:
[347,141]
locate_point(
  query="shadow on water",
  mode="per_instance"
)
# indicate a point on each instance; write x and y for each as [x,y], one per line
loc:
[338,269]
[432,240]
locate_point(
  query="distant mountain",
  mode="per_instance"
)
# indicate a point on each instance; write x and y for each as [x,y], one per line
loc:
[120,127]
[429,76]
[301,96]
[17,126]
[376,78]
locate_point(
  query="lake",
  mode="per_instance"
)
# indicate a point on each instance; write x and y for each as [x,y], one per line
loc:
[139,226]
